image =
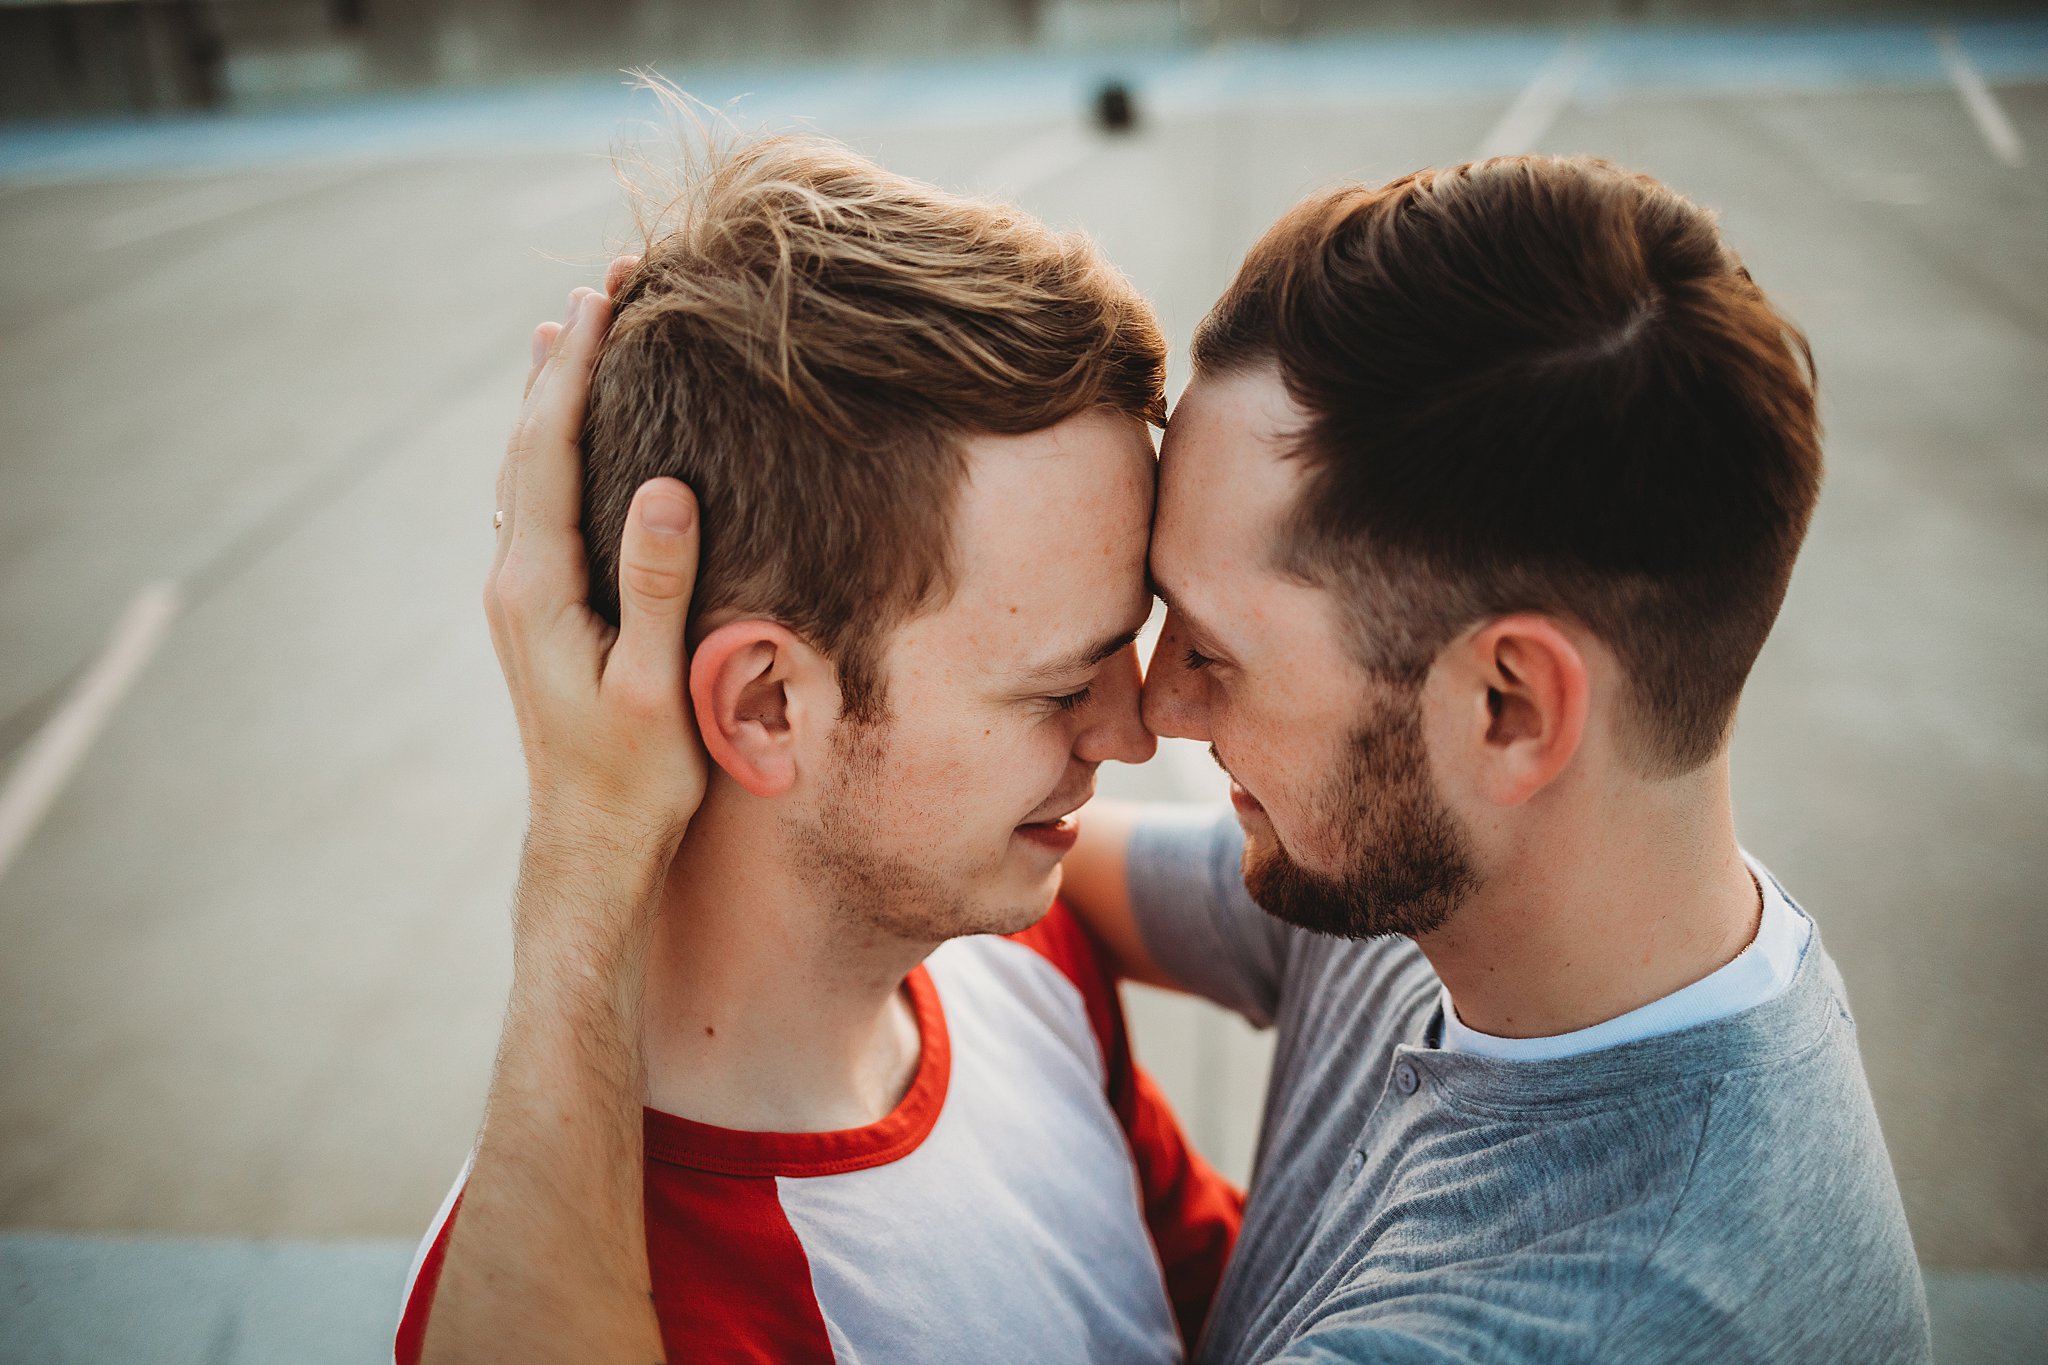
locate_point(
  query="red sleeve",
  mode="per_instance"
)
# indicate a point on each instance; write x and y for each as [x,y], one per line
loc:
[732,1285]
[1192,1211]
[742,1297]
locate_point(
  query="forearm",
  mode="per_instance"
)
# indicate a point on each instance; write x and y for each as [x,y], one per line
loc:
[1094,886]
[548,1258]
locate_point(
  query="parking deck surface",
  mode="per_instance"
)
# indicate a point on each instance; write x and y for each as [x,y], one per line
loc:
[257,373]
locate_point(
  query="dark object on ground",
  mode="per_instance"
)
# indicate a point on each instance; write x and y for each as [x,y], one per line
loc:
[1114,110]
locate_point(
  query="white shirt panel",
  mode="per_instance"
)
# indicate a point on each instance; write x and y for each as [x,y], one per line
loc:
[1022,1201]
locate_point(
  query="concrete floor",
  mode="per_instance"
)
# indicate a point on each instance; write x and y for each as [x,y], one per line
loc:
[172,1301]
[251,963]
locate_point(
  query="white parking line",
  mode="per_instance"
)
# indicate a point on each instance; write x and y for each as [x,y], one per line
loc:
[55,752]
[1537,107]
[1977,98]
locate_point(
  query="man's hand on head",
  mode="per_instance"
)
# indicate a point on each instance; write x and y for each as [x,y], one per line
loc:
[547,1259]
[614,765]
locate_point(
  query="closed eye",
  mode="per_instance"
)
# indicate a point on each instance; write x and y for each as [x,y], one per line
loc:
[1195,660]
[1072,699]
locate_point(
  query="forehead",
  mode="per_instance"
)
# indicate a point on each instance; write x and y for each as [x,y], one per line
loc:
[1225,483]
[1049,547]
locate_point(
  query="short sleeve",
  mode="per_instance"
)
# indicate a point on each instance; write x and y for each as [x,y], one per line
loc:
[1187,895]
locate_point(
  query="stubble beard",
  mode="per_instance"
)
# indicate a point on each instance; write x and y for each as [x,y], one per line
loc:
[1405,863]
[886,895]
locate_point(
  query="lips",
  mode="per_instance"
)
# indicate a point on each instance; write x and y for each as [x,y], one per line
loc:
[1056,835]
[1057,832]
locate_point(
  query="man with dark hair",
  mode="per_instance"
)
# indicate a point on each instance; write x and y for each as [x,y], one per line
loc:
[1471,524]
[1472,521]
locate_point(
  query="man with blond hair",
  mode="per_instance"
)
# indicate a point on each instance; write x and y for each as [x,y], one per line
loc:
[828,1082]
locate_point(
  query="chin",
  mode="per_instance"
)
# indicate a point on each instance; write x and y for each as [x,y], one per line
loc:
[1015,914]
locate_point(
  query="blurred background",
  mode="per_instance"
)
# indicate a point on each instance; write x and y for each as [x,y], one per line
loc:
[267,272]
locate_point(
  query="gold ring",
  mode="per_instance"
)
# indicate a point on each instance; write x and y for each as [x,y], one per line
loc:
[497,520]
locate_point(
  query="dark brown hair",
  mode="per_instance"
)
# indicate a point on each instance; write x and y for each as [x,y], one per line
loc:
[806,342]
[1545,384]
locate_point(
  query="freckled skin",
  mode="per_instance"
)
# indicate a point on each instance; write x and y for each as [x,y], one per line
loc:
[920,835]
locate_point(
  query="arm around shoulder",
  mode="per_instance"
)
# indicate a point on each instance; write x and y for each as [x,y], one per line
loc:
[1095,884]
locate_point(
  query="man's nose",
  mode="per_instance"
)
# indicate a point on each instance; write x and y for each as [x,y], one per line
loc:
[1176,696]
[1114,729]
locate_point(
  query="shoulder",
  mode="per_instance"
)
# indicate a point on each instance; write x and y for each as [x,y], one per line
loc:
[1790,1225]
[1789,1123]
[1791,1200]
[1051,979]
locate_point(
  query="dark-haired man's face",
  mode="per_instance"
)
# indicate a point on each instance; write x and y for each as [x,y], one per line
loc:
[1345,830]
[1400,864]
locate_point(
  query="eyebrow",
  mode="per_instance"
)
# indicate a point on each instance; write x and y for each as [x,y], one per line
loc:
[1080,659]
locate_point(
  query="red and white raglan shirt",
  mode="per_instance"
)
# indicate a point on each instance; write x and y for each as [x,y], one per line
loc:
[1031,1197]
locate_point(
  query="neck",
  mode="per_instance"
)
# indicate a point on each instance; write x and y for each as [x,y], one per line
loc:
[766,1010]
[1601,906]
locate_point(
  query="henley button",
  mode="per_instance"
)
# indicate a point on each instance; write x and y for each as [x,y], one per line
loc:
[1354,1165]
[1405,1078]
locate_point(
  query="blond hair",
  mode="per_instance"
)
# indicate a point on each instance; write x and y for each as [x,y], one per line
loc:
[807,341]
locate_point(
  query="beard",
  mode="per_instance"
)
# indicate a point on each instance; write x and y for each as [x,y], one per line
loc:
[1403,864]
[888,895]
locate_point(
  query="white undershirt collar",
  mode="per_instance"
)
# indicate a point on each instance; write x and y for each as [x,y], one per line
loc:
[1760,972]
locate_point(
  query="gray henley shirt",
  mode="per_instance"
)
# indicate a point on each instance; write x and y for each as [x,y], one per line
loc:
[1719,1194]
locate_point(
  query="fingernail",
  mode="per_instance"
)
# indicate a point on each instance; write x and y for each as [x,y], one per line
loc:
[668,516]
[540,348]
[575,306]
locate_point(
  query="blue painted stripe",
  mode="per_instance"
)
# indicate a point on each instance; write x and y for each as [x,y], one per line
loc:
[590,113]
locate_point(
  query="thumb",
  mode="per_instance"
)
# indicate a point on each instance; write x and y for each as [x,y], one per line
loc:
[657,575]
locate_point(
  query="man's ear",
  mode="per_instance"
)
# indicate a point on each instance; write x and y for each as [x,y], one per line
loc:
[749,685]
[1523,694]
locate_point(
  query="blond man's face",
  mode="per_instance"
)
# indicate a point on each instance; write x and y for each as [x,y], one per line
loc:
[951,817]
